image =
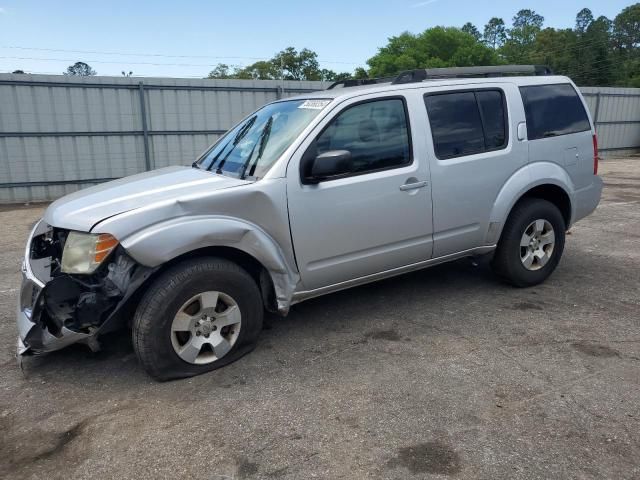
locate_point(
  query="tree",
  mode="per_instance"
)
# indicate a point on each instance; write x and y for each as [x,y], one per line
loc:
[556,49]
[626,43]
[288,64]
[526,25]
[626,29]
[261,70]
[495,33]
[435,47]
[221,70]
[471,29]
[18,72]
[331,76]
[583,20]
[80,69]
[296,65]
[595,58]
[360,73]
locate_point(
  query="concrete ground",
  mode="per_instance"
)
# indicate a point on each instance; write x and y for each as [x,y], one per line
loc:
[440,373]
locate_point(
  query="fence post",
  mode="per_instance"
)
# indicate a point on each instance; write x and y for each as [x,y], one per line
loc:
[145,130]
[597,111]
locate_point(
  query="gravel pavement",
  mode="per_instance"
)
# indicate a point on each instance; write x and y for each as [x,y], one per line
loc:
[443,373]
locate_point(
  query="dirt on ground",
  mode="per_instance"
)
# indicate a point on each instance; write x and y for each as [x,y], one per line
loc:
[443,373]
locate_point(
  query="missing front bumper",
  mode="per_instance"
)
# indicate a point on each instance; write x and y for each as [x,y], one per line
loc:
[49,319]
[33,336]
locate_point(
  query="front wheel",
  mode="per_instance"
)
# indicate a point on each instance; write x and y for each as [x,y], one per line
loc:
[198,316]
[531,244]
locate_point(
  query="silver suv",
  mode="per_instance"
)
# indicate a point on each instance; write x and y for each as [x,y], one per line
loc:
[310,195]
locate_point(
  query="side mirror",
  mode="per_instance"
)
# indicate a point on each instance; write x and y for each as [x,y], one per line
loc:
[329,164]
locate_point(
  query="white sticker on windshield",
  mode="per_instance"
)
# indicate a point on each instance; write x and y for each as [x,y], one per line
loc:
[315,104]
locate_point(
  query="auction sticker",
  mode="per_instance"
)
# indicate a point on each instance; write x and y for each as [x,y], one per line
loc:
[315,104]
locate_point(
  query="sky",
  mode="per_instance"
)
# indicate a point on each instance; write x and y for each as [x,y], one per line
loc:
[187,38]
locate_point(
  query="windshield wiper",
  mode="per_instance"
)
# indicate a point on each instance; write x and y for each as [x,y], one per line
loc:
[264,138]
[237,139]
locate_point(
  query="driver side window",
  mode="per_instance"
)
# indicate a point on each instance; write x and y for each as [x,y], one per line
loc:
[376,133]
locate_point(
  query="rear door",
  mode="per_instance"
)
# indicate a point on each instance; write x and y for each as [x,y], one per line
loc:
[473,150]
[375,218]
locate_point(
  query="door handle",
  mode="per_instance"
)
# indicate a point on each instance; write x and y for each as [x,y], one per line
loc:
[411,186]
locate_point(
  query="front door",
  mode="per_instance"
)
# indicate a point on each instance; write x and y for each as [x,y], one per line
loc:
[373,218]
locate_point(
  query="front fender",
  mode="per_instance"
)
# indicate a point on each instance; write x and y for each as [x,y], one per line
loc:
[530,176]
[164,241]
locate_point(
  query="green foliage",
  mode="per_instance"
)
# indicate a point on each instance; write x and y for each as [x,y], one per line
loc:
[595,52]
[625,39]
[471,29]
[221,70]
[626,30]
[584,18]
[519,45]
[80,69]
[435,47]
[495,33]
[360,73]
[330,75]
[288,64]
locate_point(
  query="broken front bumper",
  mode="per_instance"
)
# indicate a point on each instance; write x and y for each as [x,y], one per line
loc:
[34,337]
[56,310]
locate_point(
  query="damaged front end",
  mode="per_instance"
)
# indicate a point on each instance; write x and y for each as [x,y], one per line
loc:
[56,309]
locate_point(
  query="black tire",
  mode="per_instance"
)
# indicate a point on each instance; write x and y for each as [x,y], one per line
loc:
[153,318]
[506,262]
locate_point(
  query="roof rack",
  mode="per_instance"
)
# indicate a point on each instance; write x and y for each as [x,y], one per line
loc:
[412,76]
[356,82]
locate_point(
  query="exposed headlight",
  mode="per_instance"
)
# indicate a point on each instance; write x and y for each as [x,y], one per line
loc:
[83,252]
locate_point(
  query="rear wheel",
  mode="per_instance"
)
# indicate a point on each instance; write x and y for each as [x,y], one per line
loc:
[198,316]
[531,244]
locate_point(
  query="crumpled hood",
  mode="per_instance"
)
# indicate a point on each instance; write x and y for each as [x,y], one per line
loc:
[84,209]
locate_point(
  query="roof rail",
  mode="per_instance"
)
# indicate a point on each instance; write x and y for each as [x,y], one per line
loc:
[412,76]
[356,82]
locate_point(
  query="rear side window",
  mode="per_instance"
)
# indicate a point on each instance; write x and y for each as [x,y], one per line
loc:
[493,118]
[553,110]
[468,122]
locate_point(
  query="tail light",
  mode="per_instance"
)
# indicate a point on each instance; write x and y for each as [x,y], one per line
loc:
[595,154]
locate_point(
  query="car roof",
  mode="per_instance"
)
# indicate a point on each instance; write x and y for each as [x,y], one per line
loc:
[343,93]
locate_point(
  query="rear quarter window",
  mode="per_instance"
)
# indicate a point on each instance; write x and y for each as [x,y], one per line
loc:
[553,110]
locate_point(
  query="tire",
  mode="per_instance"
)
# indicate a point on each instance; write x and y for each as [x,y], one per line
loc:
[517,264]
[180,299]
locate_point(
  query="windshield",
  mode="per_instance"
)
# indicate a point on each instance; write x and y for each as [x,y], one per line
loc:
[251,147]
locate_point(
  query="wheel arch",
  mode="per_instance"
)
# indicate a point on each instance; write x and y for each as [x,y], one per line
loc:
[543,180]
[250,264]
[553,194]
[163,245]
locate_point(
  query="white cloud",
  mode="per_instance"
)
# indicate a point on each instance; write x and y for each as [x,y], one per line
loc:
[423,4]
[2,10]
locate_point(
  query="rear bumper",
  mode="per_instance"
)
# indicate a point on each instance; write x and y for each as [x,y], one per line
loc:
[587,199]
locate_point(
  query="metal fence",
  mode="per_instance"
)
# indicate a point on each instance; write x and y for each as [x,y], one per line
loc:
[59,134]
[616,114]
